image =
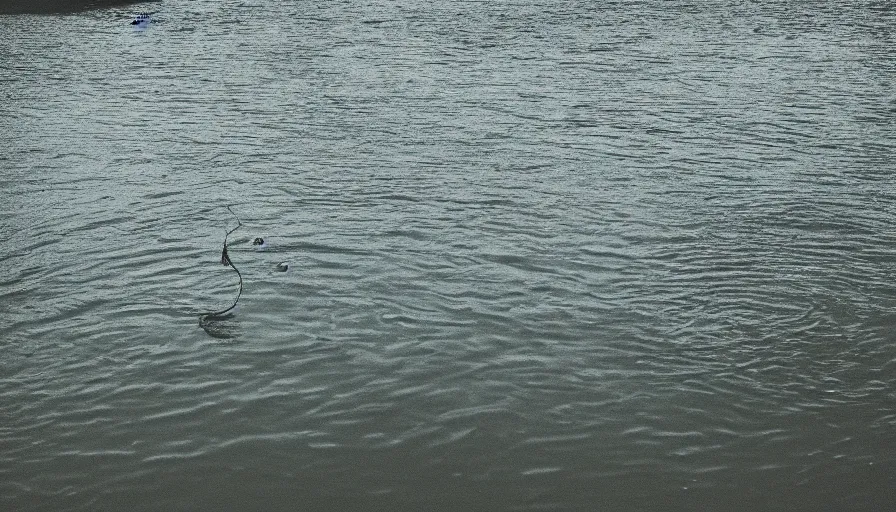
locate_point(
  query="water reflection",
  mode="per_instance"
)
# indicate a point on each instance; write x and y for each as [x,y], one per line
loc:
[222,327]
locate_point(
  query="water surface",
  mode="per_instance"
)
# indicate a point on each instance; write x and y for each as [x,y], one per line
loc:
[543,256]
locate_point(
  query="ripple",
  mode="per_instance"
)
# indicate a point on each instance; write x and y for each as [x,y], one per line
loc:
[541,255]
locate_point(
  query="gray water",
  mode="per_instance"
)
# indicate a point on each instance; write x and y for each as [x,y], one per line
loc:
[543,256]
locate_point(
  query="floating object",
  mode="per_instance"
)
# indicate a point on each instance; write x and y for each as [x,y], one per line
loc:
[282,266]
[259,244]
[142,20]
[226,261]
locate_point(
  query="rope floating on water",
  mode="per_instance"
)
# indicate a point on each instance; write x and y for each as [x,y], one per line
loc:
[226,261]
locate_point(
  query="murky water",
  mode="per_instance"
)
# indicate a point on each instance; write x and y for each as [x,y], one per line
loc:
[543,256]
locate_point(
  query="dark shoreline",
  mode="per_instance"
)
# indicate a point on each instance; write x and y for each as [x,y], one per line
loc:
[58,6]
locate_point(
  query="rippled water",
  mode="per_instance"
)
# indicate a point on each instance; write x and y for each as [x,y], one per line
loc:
[543,255]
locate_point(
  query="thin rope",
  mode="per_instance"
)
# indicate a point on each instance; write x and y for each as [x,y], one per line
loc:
[225,260]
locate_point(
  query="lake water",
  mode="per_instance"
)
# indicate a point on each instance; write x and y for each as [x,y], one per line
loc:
[544,255]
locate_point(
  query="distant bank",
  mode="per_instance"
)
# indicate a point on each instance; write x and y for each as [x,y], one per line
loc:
[56,6]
